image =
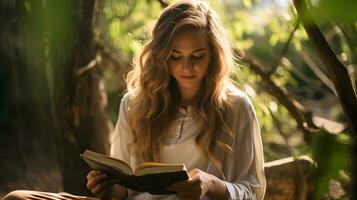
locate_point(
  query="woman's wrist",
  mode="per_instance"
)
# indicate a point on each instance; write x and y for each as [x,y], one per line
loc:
[218,189]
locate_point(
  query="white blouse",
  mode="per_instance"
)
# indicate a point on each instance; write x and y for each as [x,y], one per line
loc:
[243,170]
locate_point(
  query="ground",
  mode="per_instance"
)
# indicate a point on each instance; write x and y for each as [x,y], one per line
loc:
[27,167]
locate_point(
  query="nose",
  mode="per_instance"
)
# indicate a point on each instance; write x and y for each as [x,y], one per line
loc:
[188,64]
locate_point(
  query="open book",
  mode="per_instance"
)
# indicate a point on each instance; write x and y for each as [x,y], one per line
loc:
[148,177]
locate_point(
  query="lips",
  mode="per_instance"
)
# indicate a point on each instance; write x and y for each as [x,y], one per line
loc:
[188,76]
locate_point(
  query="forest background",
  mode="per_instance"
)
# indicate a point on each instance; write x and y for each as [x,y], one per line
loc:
[62,70]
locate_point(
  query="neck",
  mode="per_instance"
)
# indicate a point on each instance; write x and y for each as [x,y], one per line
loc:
[188,96]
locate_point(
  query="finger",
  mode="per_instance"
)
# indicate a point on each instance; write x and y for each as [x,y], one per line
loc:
[100,188]
[93,181]
[93,173]
[96,178]
[193,172]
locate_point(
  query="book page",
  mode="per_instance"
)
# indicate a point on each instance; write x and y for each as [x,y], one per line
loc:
[155,168]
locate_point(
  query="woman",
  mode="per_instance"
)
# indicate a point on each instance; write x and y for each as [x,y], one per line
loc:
[181,107]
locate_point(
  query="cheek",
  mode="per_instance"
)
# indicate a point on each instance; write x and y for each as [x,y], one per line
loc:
[203,66]
[173,69]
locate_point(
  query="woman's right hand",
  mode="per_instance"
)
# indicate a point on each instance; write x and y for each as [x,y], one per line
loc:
[99,184]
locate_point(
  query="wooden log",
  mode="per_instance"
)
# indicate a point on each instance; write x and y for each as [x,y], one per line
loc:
[288,178]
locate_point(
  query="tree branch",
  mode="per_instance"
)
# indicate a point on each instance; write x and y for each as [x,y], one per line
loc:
[285,48]
[338,72]
[317,71]
[298,112]
[79,71]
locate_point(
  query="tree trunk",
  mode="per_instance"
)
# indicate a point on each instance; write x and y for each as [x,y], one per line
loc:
[74,81]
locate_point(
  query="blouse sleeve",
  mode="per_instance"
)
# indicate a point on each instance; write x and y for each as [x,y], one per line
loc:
[121,136]
[244,168]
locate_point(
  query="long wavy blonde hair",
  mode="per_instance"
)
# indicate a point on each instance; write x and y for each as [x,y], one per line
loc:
[155,99]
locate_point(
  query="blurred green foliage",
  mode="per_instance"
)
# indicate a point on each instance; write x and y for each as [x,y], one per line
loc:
[129,22]
[333,155]
[327,10]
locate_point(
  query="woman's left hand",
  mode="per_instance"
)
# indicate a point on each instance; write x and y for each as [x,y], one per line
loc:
[198,184]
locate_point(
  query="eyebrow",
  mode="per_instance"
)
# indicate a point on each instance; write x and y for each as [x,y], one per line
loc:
[195,51]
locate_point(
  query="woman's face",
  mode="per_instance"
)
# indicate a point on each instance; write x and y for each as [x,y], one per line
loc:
[189,59]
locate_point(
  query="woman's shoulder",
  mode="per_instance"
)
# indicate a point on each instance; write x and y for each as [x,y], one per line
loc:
[239,99]
[129,96]
[126,97]
[125,100]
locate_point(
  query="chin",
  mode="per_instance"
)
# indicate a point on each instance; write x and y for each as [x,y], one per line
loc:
[188,86]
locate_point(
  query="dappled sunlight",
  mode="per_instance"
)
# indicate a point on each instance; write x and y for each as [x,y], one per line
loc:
[64,67]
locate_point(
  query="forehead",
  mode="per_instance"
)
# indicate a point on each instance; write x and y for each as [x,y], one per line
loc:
[187,40]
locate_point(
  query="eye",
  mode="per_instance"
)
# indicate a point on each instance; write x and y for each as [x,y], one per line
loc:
[175,57]
[197,57]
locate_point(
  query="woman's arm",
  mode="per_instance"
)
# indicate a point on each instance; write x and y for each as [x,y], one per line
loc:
[218,189]
[121,137]
[244,168]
